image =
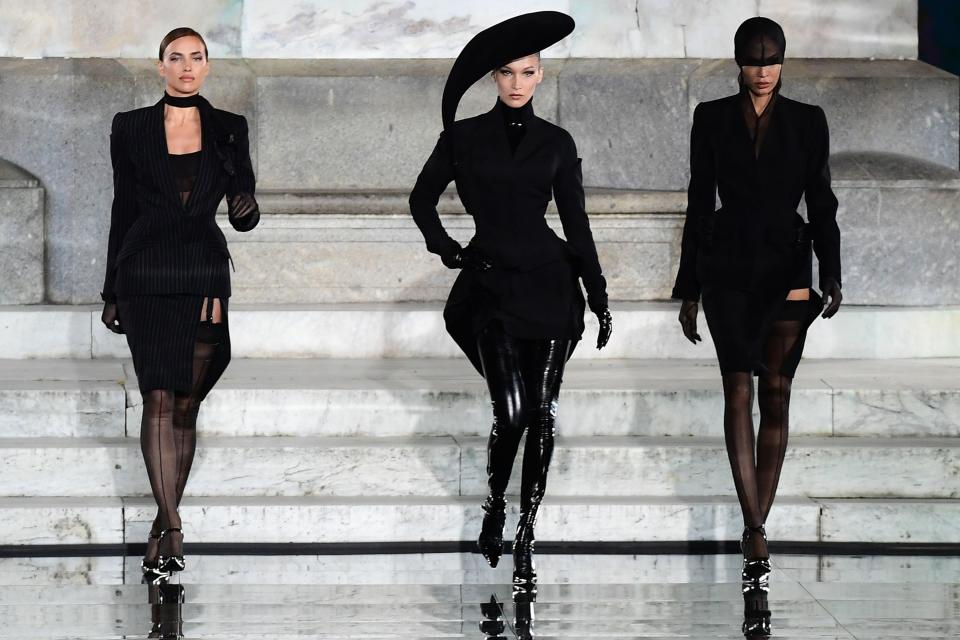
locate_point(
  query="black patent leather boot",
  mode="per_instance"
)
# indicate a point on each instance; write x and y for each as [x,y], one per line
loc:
[490,541]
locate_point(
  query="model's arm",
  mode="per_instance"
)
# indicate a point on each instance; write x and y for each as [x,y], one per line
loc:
[571,204]
[822,203]
[436,174]
[701,198]
[242,208]
[123,212]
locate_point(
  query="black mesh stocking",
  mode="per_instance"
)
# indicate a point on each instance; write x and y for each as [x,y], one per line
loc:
[175,451]
[773,393]
[738,434]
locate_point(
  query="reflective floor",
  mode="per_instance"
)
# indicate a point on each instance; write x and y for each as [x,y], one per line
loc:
[457,596]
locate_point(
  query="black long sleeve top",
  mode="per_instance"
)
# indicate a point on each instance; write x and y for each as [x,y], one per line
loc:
[738,245]
[507,192]
[159,244]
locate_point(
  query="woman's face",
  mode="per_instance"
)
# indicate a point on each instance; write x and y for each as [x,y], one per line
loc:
[184,66]
[517,80]
[761,80]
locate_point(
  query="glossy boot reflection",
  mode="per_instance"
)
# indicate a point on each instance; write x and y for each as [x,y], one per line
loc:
[166,610]
[490,541]
[492,624]
[523,613]
[756,612]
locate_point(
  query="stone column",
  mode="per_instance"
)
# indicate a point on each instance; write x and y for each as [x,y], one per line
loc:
[21,236]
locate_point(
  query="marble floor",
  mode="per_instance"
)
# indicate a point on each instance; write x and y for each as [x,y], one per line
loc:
[450,595]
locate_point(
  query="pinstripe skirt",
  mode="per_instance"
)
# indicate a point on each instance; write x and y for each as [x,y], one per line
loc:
[161,332]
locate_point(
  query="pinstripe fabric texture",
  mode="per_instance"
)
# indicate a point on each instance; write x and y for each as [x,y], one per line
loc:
[164,256]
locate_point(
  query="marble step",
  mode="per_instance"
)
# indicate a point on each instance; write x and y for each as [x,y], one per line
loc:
[451,466]
[444,396]
[44,521]
[416,330]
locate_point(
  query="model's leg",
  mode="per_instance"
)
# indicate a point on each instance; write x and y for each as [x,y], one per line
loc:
[158,444]
[773,392]
[543,374]
[739,437]
[501,369]
[211,355]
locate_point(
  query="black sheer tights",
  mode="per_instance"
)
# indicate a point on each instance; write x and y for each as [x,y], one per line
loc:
[756,465]
[168,431]
[523,377]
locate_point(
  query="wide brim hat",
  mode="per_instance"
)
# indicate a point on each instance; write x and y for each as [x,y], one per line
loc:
[495,46]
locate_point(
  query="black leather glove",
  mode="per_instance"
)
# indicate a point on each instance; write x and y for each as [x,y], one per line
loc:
[241,205]
[469,257]
[688,320]
[110,318]
[606,326]
[831,297]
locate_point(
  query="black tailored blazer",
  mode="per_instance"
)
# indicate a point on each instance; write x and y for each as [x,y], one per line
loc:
[507,195]
[756,239]
[147,212]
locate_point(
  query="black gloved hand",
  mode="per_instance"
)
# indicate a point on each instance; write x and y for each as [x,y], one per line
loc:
[606,326]
[470,257]
[831,290]
[241,206]
[688,320]
[110,318]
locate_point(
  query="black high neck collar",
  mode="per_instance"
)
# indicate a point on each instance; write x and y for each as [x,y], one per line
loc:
[516,115]
[182,102]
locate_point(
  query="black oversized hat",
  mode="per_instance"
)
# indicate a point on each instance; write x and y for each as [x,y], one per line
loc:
[495,46]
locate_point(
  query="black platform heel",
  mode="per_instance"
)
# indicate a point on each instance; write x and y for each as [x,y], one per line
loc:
[755,578]
[490,541]
[151,570]
[170,564]
[755,572]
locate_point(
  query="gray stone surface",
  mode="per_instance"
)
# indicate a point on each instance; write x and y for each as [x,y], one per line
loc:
[630,119]
[21,236]
[359,124]
[900,223]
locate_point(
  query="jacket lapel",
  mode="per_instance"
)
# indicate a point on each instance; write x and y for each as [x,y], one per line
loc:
[164,175]
[208,136]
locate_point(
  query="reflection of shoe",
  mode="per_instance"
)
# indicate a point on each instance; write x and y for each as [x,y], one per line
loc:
[756,613]
[172,563]
[492,624]
[490,541]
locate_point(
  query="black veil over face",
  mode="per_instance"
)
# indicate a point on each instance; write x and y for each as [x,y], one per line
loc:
[759,42]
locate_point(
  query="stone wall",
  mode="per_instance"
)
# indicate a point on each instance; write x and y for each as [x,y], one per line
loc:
[439,28]
[21,236]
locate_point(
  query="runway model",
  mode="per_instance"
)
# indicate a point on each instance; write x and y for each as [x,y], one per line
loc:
[167,279]
[750,261]
[516,308]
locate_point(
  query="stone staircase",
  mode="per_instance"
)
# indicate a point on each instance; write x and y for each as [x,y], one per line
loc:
[349,416]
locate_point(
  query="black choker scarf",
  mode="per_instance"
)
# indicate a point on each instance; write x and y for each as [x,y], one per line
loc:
[184,102]
[515,119]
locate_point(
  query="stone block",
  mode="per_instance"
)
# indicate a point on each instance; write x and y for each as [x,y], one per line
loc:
[329,124]
[21,236]
[63,139]
[900,223]
[892,521]
[45,331]
[42,521]
[630,119]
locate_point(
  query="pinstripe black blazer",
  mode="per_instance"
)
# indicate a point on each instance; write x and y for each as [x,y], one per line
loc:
[158,244]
